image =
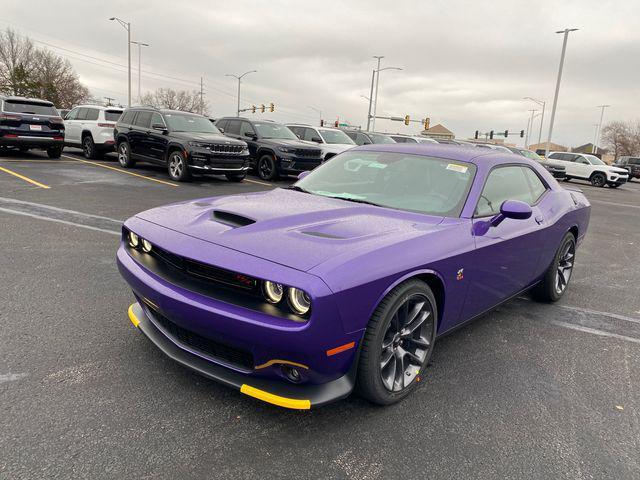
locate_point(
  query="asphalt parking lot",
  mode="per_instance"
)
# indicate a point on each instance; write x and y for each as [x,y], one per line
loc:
[528,391]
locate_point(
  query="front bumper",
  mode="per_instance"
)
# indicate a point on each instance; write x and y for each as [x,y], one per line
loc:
[295,165]
[294,396]
[614,179]
[204,162]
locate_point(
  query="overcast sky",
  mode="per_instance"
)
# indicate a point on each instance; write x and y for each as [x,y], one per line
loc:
[466,64]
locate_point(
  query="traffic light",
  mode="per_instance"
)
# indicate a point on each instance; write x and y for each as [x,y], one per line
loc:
[262,107]
[271,107]
[477,134]
[335,124]
[506,133]
[321,123]
[406,119]
[426,123]
[253,109]
[521,133]
[491,134]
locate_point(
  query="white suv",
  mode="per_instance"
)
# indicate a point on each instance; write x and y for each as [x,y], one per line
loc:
[590,168]
[91,127]
[332,141]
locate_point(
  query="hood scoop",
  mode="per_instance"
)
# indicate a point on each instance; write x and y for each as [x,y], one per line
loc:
[323,235]
[232,219]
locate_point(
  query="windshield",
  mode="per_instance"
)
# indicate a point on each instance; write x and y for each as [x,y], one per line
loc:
[424,140]
[414,183]
[593,160]
[274,130]
[378,138]
[189,123]
[531,155]
[29,107]
[336,137]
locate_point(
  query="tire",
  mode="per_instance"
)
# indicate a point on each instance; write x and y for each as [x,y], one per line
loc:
[384,383]
[235,177]
[89,148]
[547,290]
[177,167]
[598,180]
[54,152]
[124,155]
[267,168]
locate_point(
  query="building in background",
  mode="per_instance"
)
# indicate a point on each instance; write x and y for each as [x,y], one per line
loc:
[439,132]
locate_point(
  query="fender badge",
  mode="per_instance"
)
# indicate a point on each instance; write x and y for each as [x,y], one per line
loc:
[460,274]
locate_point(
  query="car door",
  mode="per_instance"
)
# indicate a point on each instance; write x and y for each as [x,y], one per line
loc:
[298,131]
[311,135]
[582,167]
[72,128]
[156,141]
[233,128]
[506,256]
[138,134]
[248,134]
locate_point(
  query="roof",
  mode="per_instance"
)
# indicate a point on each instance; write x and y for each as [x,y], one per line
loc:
[100,107]
[439,128]
[556,147]
[25,99]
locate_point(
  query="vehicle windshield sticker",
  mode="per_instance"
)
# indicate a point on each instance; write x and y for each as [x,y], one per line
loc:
[376,165]
[457,168]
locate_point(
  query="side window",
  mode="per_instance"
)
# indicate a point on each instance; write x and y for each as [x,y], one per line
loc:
[246,127]
[82,114]
[156,119]
[143,120]
[127,117]
[535,184]
[72,114]
[310,134]
[233,127]
[582,161]
[221,124]
[92,114]
[504,183]
[362,140]
[297,131]
[634,161]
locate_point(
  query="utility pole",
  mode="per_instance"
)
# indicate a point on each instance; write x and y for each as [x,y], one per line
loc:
[127,27]
[566,32]
[317,110]
[375,98]
[140,45]
[529,127]
[108,99]
[373,76]
[542,103]
[239,77]
[594,149]
[202,96]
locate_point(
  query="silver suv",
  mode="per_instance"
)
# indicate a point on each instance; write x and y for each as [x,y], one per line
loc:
[332,141]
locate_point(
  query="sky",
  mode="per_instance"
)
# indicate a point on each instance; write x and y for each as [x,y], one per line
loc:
[465,64]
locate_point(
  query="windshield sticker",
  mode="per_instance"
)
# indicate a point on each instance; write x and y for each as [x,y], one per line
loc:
[457,168]
[376,165]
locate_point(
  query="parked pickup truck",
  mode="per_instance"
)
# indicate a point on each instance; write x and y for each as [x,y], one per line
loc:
[631,164]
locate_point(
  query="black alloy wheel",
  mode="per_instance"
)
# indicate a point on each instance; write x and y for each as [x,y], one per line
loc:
[598,180]
[89,148]
[267,169]
[556,279]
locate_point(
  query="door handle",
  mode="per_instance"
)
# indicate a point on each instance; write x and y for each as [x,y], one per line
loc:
[539,219]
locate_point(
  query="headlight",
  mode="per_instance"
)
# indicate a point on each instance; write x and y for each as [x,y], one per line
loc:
[299,301]
[146,246]
[286,149]
[198,144]
[273,292]
[134,240]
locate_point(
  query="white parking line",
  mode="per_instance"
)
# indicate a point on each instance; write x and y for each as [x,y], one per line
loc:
[595,331]
[604,314]
[12,377]
[57,220]
[616,204]
[57,209]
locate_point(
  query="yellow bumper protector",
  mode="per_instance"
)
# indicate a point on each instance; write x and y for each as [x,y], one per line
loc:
[132,316]
[275,399]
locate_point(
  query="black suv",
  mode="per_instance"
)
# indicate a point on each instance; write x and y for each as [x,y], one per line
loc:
[274,149]
[184,142]
[30,123]
[632,164]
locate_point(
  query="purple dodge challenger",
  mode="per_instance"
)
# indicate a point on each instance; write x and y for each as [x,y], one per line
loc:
[345,280]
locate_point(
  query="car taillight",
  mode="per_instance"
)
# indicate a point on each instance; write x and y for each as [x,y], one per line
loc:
[107,125]
[10,135]
[6,116]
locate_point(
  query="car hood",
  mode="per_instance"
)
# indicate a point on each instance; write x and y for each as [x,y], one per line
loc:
[216,138]
[336,147]
[291,228]
[613,169]
[289,143]
[555,164]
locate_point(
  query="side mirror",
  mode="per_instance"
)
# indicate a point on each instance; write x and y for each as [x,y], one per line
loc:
[160,127]
[250,135]
[316,139]
[221,129]
[514,209]
[301,175]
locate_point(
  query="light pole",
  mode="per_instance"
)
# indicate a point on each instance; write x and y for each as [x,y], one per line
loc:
[127,27]
[593,150]
[140,45]
[317,110]
[239,77]
[555,97]
[542,103]
[375,98]
[529,127]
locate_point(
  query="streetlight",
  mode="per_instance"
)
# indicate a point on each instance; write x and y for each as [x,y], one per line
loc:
[127,27]
[529,127]
[239,77]
[555,97]
[317,110]
[542,103]
[140,45]
[373,98]
[593,150]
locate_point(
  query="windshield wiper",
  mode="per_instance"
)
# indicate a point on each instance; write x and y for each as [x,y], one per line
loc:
[356,200]
[297,189]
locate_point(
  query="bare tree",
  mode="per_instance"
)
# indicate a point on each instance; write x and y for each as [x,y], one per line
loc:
[623,138]
[57,82]
[175,100]
[17,55]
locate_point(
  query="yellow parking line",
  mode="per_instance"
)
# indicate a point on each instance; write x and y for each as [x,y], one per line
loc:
[123,171]
[259,183]
[22,177]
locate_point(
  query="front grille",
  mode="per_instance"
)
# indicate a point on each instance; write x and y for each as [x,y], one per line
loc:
[308,153]
[231,149]
[211,348]
[204,271]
